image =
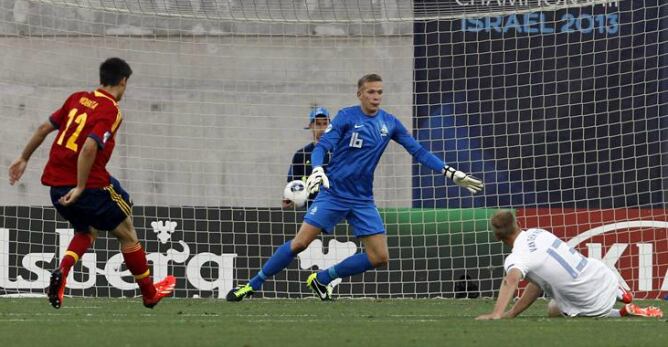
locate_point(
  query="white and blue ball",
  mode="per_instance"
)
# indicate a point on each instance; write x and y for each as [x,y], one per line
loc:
[295,191]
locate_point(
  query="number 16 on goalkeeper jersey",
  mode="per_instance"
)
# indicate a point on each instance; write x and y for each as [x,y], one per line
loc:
[356,139]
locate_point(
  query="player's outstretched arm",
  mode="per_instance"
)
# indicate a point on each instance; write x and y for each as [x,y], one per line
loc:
[463,179]
[508,287]
[18,167]
[531,293]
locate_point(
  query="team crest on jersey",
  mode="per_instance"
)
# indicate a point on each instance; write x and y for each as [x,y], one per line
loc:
[106,137]
[383,130]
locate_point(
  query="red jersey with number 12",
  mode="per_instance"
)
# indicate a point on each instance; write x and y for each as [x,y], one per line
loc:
[83,115]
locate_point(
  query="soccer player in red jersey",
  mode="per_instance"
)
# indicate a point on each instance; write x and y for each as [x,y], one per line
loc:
[82,191]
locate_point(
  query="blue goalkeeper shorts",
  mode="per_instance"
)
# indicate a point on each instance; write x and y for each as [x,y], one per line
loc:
[327,211]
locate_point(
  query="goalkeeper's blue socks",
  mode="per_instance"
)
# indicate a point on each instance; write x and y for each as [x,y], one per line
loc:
[279,261]
[353,265]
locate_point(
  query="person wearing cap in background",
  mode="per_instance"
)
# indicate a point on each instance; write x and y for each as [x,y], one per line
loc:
[301,160]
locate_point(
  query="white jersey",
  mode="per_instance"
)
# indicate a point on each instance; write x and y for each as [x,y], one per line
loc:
[579,285]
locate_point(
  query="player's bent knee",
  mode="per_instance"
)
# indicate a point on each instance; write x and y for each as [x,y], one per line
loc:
[298,245]
[309,230]
[306,234]
[128,242]
[93,234]
[379,260]
[125,232]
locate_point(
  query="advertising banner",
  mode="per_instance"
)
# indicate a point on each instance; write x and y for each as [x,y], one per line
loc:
[212,249]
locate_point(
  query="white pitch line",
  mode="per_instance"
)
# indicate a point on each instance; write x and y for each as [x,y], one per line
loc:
[81,307]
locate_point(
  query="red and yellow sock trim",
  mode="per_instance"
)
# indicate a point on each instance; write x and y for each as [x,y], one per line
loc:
[144,275]
[131,249]
[73,255]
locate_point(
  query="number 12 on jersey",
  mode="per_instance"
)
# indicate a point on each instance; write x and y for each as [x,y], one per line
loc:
[72,140]
[571,260]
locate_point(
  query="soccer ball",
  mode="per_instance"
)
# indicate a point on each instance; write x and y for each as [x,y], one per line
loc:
[295,191]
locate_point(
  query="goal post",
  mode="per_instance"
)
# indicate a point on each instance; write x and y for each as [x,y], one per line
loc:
[560,106]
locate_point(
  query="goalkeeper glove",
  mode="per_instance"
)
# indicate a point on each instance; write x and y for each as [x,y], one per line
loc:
[317,178]
[469,182]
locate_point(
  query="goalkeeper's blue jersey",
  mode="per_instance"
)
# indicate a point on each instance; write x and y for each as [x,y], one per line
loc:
[356,142]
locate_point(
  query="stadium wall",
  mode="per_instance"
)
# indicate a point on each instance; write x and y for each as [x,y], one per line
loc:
[231,130]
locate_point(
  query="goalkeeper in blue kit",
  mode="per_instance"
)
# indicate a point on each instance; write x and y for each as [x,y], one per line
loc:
[356,138]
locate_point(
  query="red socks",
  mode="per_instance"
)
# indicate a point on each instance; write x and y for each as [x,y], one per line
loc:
[135,260]
[78,246]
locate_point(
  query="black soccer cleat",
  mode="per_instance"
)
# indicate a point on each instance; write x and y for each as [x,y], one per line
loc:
[324,292]
[239,293]
[56,290]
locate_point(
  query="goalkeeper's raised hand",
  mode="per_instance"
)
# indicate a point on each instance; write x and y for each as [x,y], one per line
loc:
[462,179]
[317,178]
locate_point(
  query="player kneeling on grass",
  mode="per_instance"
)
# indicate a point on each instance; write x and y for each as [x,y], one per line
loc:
[578,286]
[82,191]
[357,137]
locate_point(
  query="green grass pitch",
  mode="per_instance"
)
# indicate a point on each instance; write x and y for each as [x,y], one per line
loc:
[308,322]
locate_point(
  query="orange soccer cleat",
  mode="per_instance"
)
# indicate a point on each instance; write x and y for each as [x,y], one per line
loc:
[162,289]
[56,290]
[635,310]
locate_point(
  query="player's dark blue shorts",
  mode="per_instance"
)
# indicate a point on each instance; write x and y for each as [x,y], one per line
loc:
[102,208]
[327,211]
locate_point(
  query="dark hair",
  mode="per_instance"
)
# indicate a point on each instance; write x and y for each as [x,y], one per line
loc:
[113,70]
[372,77]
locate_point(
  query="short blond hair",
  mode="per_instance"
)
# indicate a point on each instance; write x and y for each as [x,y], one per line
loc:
[372,77]
[503,224]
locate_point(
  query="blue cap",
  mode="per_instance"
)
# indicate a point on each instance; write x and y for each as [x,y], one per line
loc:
[317,112]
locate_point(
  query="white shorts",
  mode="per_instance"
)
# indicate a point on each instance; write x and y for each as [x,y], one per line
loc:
[605,285]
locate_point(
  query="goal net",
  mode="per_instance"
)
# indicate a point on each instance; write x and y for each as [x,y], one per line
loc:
[559,105]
